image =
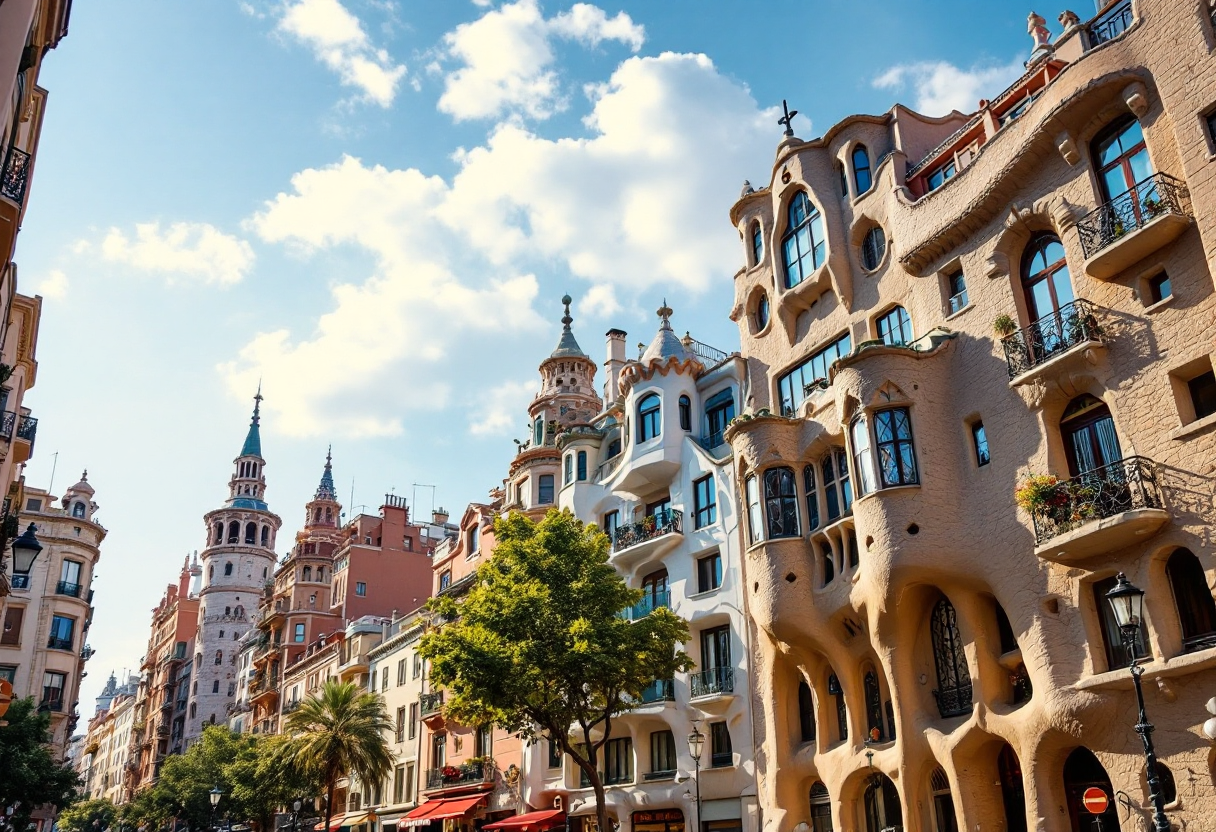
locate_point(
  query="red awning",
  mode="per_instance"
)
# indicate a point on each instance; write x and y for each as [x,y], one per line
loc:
[334,824]
[530,822]
[455,807]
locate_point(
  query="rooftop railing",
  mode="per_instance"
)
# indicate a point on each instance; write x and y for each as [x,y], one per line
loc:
[1110,24]
[1133,209]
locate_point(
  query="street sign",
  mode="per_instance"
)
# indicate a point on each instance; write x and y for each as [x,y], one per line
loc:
[1094,800]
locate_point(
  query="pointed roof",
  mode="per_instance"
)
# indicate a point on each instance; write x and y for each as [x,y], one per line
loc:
[666,343]
[567,347]
[253,440]
[326,490]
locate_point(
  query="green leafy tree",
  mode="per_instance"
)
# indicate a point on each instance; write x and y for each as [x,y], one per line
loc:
[260,784]
[538,645]
[339,732]
[87,816]
[28,773]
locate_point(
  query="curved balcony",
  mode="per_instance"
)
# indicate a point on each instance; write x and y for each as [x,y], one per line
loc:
[711,684]
[1054,343]
[1100,511]
[1150,215]
[651,535]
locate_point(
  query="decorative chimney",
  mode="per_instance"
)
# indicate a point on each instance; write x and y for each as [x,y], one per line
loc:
[614,364]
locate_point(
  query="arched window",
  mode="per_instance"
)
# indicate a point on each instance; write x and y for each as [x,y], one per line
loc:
[1082,770]
[1121,158]
[804,243]
[861,169]
[306,573]
[228,568]
[881,803]
[762,312]
[266,536]
[568,469]
[806,712]
[219,656]
[1090,441]
[895,327]
[685,408]
[251,533]
[239,612]
[781,502]
[873,248]
[1047,286]
[316,515]
[234,532]
[320,573]
[1196,609]
[78,509]
[757,244]
[1013,791]
[953,692]
[943,803]
[873,705]
[582,466]
[842,713]
[219,534]
[821,808]
[812,497]
[649,417]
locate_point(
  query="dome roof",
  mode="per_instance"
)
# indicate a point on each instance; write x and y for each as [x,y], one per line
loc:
[665,344]
[83,486]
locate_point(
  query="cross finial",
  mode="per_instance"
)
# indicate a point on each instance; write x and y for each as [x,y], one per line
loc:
[788,118]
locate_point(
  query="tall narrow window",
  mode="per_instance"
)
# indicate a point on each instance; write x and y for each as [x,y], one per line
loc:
[1048,287]
[62,632]
[1122,159]
[821,809]
[1013,791]
[979,438]
[612,519]
[582,466]
[251,533]
[1112,637]
[544,489]
[873,705]
[944,819]
[895,327]
[873,248]
[863,462]
[11,634]
[618,761]
[709,572]
[705,502]
[896,458]
[685,408]
[757,244]
[568,469]
[842,480]
[844,180]
[806,712]
[861,169]
[662,752]
[649,421]
[53,684]
[1196,609]
[842,714]
[804,243]
[762,312]
[881,805]
[1090,440]
[720,751]
[234,532]
[719,411]
[265,536]
[755,523]
[812,497]
[953,692]
[781,502]
[956,286]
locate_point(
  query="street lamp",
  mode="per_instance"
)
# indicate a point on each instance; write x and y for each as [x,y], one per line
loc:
[696,744]
[25,550]
[1127,603]
[215,794]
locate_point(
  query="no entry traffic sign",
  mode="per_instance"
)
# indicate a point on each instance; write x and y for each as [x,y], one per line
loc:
[1095,800]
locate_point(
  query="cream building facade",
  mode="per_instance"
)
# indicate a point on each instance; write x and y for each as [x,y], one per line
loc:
[932,311]
[106,744]
[402,687]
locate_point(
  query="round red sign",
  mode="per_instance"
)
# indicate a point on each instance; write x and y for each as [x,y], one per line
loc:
[1095,800]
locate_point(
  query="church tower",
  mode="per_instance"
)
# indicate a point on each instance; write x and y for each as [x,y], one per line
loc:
[237,563]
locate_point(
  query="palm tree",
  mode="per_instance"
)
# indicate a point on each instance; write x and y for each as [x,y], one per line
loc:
[338,732]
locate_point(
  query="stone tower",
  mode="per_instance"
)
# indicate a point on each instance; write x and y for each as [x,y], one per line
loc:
[237,563]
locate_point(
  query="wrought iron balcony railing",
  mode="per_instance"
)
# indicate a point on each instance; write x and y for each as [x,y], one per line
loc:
[8,424]
[1110,24]
[430,703]
[649,603]
[27,428]
[953,701]
[655,525]
[463,774]
[716,680]
[1130,483]
[15,176]
[67,588]
[660,690]
[1073,323]
[1133,209]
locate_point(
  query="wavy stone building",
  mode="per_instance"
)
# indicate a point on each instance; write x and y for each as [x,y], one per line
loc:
[933,310]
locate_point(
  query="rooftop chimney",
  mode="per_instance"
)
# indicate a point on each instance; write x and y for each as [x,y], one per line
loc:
[439,516]
[614,364]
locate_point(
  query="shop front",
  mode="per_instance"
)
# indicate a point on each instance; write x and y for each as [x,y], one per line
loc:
[658,820]
[453,814]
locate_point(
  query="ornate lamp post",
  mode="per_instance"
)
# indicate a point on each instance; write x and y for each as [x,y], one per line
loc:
[1127,603]
[215,794]
[696,744]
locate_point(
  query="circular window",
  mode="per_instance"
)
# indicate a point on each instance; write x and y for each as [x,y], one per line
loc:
[873,248]
[762,312]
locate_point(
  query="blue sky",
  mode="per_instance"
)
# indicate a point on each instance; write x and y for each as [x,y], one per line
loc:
[375,206]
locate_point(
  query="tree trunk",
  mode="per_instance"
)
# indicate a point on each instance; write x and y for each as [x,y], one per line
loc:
[601,810]
[329,802]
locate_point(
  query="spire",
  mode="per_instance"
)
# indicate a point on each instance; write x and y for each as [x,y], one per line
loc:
[567,347]
[666,343]
[253,440]
[326,490]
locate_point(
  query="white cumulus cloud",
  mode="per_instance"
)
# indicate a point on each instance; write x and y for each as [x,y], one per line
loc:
[502,408]
[506,57]
[338,39]
[190,250]
[54,285]
[940,87]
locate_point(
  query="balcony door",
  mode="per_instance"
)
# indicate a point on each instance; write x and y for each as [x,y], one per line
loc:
[1121,158]
[654,589]
[1090,441]
[715,648]
[1045,278]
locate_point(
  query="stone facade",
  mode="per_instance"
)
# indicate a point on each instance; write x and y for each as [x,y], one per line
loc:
[928,654]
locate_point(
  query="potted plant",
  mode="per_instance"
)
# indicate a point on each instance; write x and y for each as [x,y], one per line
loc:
[450,773]
[1004,326]
[1042,495]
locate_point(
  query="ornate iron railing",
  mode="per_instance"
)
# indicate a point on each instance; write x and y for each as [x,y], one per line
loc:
[1110,24]
[709,355]
[15,176]
[1133,209]
[660,690]
[67,588]
[1073,323]
[8,423]
[27,429]
[953,701]
[442,778]
[712,682]
[655,525]
[430,703]
[649,603]
[1130,483]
